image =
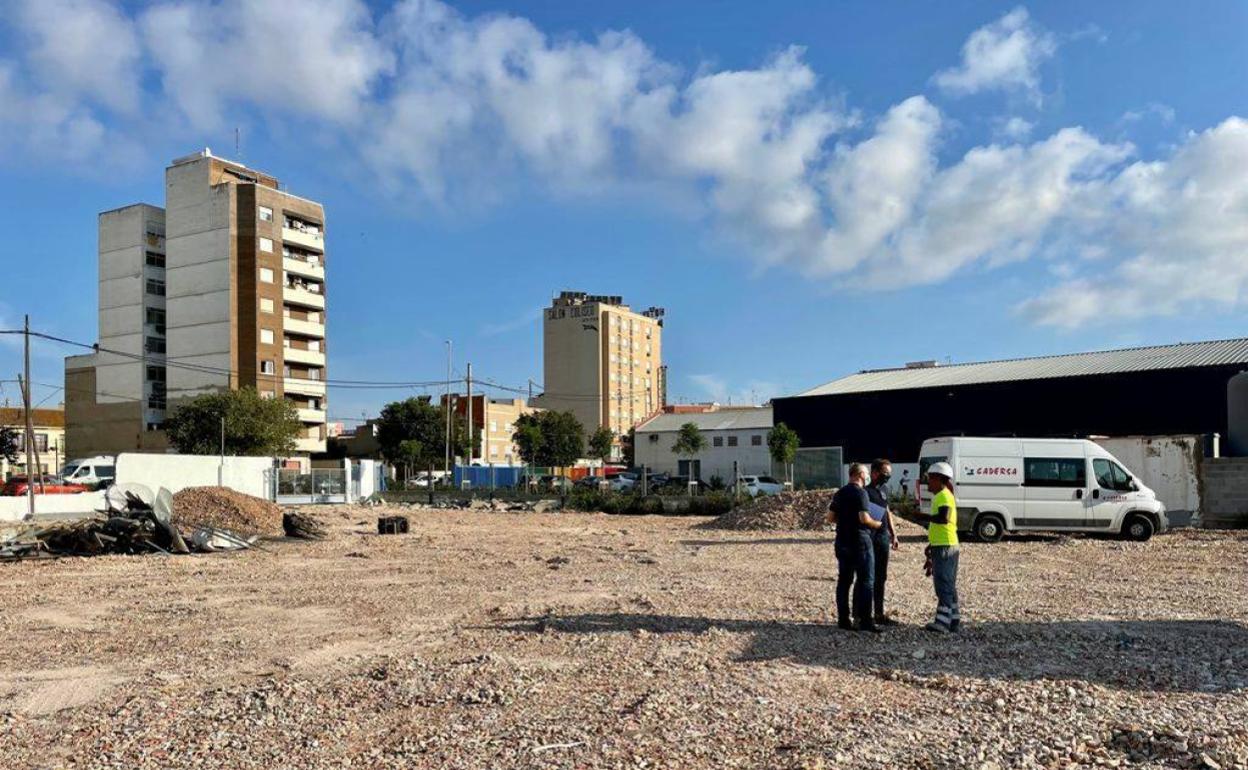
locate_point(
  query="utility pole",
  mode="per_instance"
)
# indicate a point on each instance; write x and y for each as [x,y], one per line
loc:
[468,389]
[446,467]
[30,425]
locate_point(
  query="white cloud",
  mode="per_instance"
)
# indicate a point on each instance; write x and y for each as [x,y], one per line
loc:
[1004,55]
[1014,129]
[1180,230]
[1163,112]
[317,58]
[718,390]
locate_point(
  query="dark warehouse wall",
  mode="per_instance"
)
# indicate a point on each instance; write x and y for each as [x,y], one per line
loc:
[894,424]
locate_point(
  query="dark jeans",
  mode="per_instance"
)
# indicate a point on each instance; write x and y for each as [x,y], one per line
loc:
[945,580]
[881,544]
[855,560]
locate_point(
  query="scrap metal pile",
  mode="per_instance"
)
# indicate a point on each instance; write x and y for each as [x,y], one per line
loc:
[196,520]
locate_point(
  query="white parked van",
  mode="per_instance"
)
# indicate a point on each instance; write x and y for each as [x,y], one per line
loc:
[98,471]
[1015,485]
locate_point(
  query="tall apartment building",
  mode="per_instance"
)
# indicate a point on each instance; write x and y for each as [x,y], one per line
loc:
[223,288]
[602,360]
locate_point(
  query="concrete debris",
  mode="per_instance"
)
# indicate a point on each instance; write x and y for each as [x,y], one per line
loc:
[787,510]
[226,509]
[301,525]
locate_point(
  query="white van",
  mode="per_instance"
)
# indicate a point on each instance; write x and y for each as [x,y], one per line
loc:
[1057,485]
[99,471]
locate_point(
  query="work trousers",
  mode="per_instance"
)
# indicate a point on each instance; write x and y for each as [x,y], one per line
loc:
[881,544]
[855,559]
[945,580]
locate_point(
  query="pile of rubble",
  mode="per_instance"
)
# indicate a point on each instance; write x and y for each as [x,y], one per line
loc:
[787,510]
[226,509]
[196,520]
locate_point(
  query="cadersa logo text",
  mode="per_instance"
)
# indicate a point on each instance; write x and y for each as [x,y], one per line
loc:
[990,470]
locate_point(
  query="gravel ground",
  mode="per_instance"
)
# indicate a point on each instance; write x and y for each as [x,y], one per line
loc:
[583,641]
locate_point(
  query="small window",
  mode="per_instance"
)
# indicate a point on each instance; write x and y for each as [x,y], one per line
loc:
[155,287]
[155,260]
[154,345]
[756,440]
[493,426]
[155,316]
[314,346]
[1055,472]
[1110,475]
[156,373]
[267,367]
[266,336]
[654,438]
[286,370]
[732,441]
[266,305]
[153,426]
[266,244]
[266,275]
[314,374]
[268,394]
[105,471]
[266,214]
[717,441]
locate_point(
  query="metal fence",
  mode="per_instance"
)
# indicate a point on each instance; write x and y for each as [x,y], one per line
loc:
[318,485]
[818,468]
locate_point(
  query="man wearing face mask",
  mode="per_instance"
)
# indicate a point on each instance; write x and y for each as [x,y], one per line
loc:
[883,539]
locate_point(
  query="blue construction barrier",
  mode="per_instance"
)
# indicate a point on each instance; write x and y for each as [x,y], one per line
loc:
[487,476]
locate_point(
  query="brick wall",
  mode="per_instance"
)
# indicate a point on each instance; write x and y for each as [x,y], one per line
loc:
[1224,492]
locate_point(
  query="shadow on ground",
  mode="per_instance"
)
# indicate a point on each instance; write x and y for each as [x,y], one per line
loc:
[1165,655]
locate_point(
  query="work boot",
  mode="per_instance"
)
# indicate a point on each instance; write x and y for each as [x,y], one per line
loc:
[845,625]
[939,628]
[884,620]
[869,625]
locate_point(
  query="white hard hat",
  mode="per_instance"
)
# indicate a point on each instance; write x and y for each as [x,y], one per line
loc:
[942,469]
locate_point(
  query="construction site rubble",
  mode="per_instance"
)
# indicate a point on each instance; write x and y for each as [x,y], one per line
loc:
[227,509]
[785,511]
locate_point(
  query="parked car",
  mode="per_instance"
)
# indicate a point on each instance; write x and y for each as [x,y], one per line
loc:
[1055,485]
[623,482]
[96,472]
[589,482]
[760,485]
[554,483]
[16,486]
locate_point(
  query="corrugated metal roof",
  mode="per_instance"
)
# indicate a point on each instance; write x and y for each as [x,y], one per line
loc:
[1179,356]
[721,419]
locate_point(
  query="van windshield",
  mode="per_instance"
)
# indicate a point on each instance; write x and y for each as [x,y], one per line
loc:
[69,470]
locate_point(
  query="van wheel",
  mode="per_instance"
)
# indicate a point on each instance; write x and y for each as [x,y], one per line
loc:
[989,527]
[1138,527]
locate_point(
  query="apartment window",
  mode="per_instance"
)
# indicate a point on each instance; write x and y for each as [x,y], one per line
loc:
[756,440]
[266,336]
[267,367]
[732,441]
[717,441]
[286,371]
[314,317]
[156,374]
[41,442]
[493,426]
[156,402]
[266,244]
[314,374]
[151,426]
[266,275]
[314,346]
[654,438]
[155,287]
[155,260]
[268,394]
[156,317]
[266,214]
[285,312]
[266,305]
[154,345]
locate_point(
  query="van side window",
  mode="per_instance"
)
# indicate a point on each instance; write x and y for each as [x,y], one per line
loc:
[1110,475]
[1055,472]
[105,471]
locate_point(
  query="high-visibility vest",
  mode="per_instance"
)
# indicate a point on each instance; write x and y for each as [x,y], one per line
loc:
[944,534]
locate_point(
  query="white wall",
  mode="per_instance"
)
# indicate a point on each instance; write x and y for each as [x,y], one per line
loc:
[250,475]
[14,508]
[716,461]
[1168,465]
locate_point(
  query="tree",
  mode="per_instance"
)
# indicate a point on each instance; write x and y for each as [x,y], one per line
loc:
[8,443]
[254,426]
[783,442]
[689,440]
[549,438]
[412,433]
[628,448]
[601,444]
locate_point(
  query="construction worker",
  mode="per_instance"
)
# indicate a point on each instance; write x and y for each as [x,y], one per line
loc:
[942,549]
[883,539]
[850,511]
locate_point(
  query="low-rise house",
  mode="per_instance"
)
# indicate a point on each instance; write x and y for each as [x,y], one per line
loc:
[49,439]
[733,434]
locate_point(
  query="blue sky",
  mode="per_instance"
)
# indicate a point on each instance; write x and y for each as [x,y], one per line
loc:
[809,189]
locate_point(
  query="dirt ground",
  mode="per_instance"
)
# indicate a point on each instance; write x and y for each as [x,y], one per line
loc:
[545,640]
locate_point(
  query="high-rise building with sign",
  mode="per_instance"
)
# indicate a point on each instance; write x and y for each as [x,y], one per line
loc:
[603,361]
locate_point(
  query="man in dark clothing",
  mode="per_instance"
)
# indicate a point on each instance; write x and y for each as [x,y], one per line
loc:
[883,539]
[854,553]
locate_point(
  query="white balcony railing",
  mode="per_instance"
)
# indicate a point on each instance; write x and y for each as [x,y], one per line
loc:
[294,295]
[306,328]
[310,445]
[316,416]
[314,241]
[300,356]
[302,386]
[303,268]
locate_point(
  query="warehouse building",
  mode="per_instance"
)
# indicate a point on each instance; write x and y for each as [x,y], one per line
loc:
[1149,391]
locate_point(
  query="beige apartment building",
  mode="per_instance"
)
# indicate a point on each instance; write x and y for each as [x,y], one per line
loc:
[49,444]
[223,288]
[495,419]
[603,361]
